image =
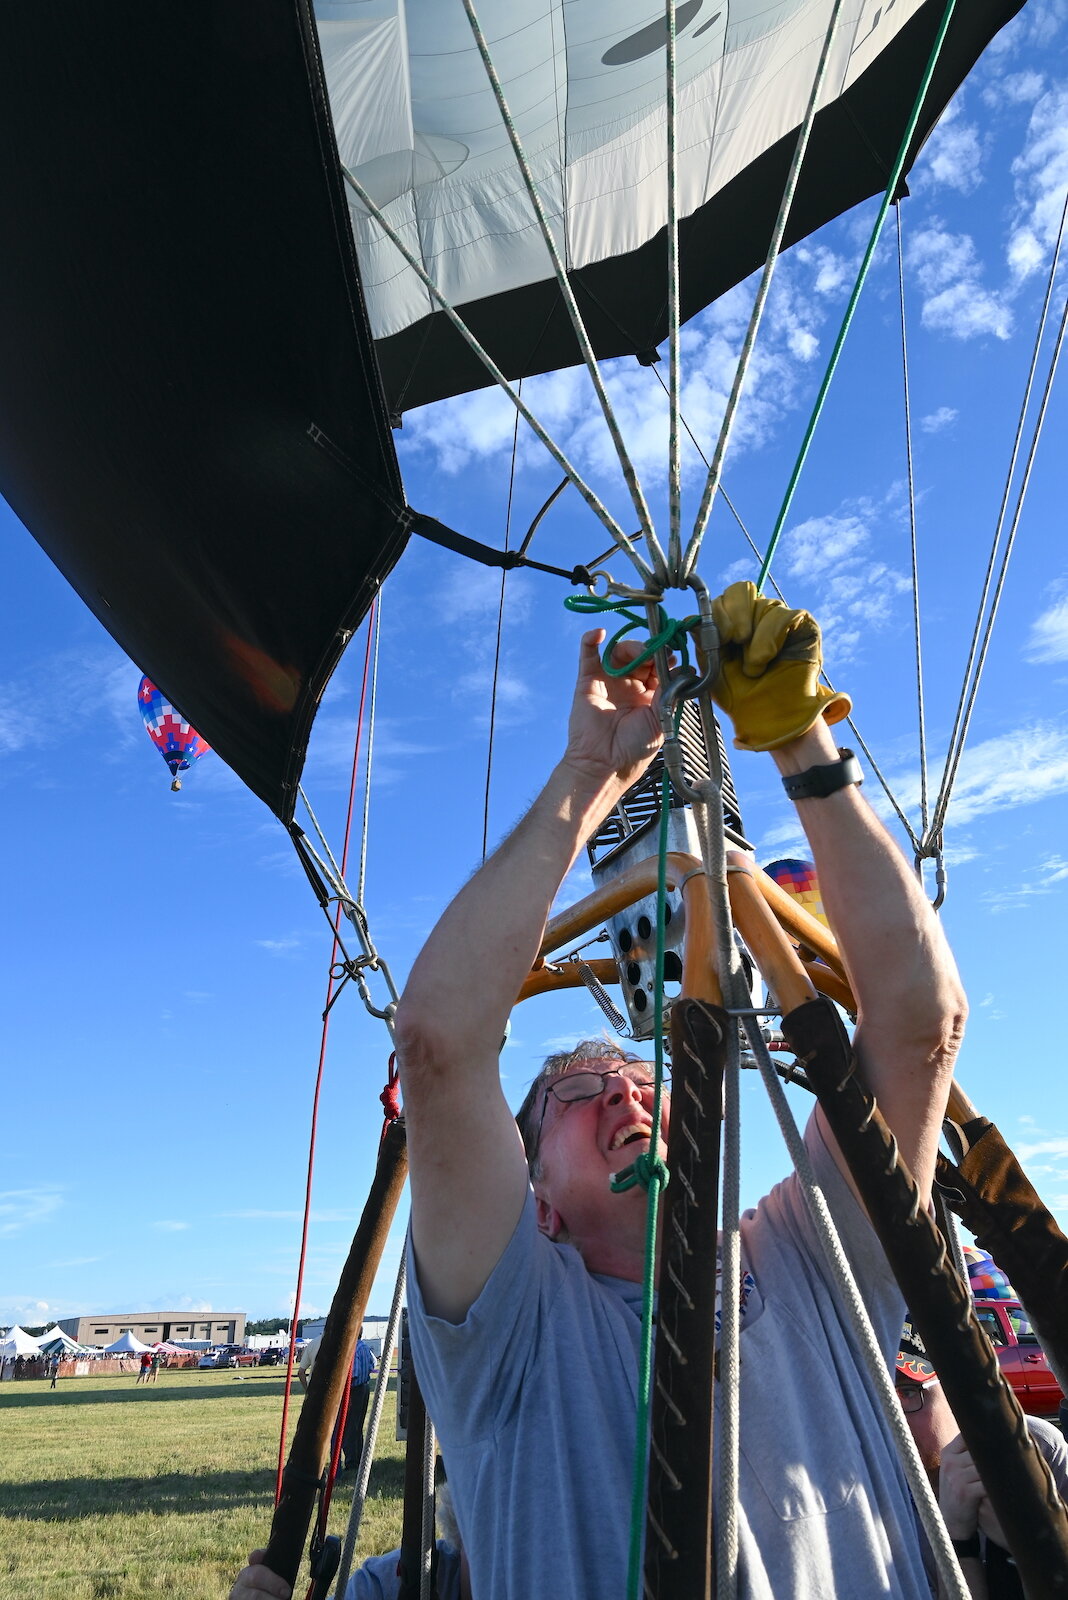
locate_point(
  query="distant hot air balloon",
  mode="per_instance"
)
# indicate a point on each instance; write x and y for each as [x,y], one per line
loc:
[799,880]
[178,743]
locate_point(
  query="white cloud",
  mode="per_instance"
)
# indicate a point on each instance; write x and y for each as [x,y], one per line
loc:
[1016,88]
[22,1208]
[856,594]
[953,156]
[169,1226]
[280,947]
[938,420]
[1041,173]
[1048,639]
[947,269]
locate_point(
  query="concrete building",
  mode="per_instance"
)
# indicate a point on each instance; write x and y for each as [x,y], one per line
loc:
[156,1327]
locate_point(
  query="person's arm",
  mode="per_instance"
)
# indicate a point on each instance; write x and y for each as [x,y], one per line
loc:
[911,1004]
[468,1174]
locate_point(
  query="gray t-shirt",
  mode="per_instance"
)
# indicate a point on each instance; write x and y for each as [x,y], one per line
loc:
[378,1578]
[534,1397]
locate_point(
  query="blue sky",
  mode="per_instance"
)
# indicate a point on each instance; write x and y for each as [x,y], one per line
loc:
[166,963]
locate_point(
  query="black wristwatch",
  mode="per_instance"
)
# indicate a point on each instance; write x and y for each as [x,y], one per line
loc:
[965,1548]
[818,782]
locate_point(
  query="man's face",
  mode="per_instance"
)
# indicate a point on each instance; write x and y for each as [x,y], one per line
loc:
[930,1421]
[583,1142]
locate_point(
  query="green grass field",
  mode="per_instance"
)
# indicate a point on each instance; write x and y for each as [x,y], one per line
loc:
[108,1489]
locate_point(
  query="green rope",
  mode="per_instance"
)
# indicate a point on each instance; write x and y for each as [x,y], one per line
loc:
[891,190]
[648,1169]
[673,634]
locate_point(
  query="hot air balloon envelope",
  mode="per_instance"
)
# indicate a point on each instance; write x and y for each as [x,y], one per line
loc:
[799,880]
[178,743]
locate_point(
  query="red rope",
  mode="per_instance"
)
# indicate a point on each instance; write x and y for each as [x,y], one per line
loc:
[390,1096]
[319,1073]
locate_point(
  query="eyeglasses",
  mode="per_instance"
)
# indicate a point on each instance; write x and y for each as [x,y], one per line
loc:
[911,1397]
[575,1086]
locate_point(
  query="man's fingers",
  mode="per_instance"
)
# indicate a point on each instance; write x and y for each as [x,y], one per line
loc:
[256,1579]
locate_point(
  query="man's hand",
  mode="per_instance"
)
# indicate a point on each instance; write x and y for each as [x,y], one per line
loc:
[770,662]
[960,1490]
[258,1580]
[613,729]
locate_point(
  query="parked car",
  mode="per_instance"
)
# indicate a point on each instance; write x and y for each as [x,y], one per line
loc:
[229,1355]
[1020,1356]
[274,1356]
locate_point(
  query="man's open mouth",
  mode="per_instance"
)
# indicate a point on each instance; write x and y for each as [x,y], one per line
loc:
[630,1134]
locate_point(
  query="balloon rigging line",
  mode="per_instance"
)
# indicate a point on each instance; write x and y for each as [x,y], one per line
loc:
[967,701]
[578,325]
[378,1405]
[869,253]
[500,626]
[953,761]
[756,316]
[674,466]
[357,916]
[372,716]
[305,1224]
[877,772]
[623,541]
[921,719]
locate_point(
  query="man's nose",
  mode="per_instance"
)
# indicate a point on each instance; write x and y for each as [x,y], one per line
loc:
[619,1087]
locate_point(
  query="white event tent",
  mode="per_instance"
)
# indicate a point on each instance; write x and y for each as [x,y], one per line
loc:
[126,1345]
[19,1343]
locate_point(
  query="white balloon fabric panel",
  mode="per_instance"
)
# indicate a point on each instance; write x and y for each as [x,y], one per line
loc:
[418,124]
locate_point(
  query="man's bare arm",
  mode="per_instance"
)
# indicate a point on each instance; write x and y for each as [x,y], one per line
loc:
[468,1174]
[912,1007]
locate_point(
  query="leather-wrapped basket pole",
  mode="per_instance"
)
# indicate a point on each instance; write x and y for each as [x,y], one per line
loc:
[993,1196]
[310,1449]
[994,1428]
[678,1544]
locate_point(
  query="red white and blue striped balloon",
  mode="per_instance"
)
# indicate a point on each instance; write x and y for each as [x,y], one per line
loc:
[178,743]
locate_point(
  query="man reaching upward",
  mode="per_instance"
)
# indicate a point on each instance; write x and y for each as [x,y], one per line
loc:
[525,1297]
[525,1291]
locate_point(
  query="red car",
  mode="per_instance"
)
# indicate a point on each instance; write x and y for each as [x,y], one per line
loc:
[1020,1356]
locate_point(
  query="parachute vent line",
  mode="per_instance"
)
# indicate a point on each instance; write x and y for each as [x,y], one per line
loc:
[968,694]
[921,720]
[582,337]
[869,253]
[746,353]
[623,541]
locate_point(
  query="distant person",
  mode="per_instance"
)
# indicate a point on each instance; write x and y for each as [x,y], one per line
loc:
[364,1367]
[53,1368]
[156,1363]
[146,1365]
[970,1521]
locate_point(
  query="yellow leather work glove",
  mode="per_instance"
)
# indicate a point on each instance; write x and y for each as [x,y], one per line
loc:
[770,661]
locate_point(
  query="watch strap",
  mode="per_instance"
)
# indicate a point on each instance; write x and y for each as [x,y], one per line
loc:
[965,1548]
[818,782]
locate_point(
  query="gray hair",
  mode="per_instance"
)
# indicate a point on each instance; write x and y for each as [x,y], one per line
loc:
[528,1117]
